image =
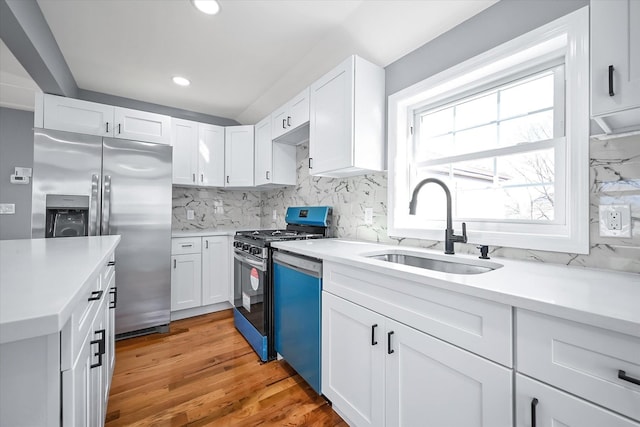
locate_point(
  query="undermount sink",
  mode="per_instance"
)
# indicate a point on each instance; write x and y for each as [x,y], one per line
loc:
[454,267]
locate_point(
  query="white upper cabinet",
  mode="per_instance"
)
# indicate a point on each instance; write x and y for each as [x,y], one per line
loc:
[289,122]
[346,127]
[275,163]
[74,115]
[142,126]
[91,118]
[198,153]
[615,64]
[185,156]
[210,155]
[238,152]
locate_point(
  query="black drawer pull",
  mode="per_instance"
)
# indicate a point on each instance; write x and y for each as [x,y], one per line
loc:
[389,349]
[95,295]
[101,348]
[623,376]
[111,263]
[114,292]
[534,403]
[373,334]
[611,93]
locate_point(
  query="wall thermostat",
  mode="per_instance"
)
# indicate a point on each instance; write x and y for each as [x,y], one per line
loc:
[21,176]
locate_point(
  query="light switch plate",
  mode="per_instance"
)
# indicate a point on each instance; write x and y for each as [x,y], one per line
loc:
[190,214]
[368,216]
[7,208]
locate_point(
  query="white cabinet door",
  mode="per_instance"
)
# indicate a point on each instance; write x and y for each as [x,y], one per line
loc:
[615,41]
[279,121]
[184,139]
[553,408]
[353,345]
[142,126]
[215,269]
[331,120]
[432,383]
[298,110]
[210,153]
[238,150]
[76,388]
[186,281]
[264,152]
[74,115]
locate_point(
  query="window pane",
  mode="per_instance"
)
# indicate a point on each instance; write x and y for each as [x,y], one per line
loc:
[435,148]
[527,97]
[437,123]
[531,128]
[477,111]
[514,187]
[476,139]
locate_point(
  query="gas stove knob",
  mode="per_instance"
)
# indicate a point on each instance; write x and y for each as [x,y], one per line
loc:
[237,244]
[254,251]
[245,246]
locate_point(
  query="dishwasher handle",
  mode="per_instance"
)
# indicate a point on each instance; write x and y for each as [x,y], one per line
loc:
[302,264]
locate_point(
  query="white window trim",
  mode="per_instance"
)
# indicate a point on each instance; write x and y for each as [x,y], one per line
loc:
[567,36]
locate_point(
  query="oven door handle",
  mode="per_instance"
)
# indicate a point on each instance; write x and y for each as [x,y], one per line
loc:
[259,265]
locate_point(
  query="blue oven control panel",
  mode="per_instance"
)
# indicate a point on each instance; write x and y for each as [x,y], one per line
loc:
[309,215]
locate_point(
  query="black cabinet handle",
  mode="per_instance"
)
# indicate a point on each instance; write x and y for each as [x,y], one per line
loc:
[174,263]
[267,175]
[373,334]
[107,127]
[284,124]
[101,348]
[288,120]
[611,80]
[111,263]
[114,292]
[119,131]
[227,179]
[534,403]
[623,376]
[95,295]
[389,349]
[310,164]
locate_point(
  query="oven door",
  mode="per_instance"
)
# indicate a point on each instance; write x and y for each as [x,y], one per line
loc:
[250,283]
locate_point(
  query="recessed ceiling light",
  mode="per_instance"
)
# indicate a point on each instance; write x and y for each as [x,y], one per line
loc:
[181,81]
[210,7]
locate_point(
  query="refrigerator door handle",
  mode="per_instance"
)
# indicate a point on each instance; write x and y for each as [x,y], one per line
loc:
[106,205]
[93,211]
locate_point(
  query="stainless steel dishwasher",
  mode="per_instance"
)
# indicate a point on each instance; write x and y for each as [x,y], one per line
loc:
[297,283]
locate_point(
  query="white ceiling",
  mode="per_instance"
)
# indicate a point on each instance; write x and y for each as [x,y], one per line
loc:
[247,60]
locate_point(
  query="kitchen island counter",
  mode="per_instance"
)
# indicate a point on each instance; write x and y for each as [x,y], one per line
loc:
[41,280]
[601,298]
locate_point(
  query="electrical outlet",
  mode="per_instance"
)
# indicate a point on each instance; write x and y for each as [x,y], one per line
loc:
[615,220]
[368,216]
[190,214]
[7,208]
[275,215]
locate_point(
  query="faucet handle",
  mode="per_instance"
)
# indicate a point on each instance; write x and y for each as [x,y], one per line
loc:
[464,232]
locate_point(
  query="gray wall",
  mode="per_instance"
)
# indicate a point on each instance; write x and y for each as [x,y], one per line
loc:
[16,149]
[499,23]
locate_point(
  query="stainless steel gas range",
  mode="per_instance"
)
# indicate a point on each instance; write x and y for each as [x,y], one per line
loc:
[253,282]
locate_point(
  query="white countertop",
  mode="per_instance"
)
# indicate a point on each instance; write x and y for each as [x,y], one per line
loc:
[40,281]
[204,233]
[598,297]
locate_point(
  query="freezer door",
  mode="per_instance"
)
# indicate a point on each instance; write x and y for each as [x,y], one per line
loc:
[136,188]
[64,163]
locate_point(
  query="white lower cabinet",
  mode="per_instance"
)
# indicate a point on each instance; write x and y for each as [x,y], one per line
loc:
[538,405]
[186,281]
[200,275]
[377,371]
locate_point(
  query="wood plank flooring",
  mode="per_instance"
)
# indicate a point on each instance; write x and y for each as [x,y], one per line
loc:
[204,373]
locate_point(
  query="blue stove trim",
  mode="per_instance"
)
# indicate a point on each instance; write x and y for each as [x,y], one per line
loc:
[251,334]
[309,215]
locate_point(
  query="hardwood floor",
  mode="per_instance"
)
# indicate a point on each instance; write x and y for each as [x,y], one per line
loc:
[202,373]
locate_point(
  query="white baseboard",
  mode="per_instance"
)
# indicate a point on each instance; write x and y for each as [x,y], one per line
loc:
[198,311]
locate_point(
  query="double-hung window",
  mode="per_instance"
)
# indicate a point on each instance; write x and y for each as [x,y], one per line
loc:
[507,132]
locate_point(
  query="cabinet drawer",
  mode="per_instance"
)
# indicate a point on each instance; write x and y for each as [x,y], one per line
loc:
[580,359]
[478,325]
[107,272]
[555,408]
[186,245]
[76,329]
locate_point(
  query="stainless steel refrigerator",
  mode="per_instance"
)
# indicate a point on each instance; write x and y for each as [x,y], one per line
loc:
[127,185]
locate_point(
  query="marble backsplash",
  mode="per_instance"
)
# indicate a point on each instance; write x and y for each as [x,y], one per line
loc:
[614,175]
[215,209]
